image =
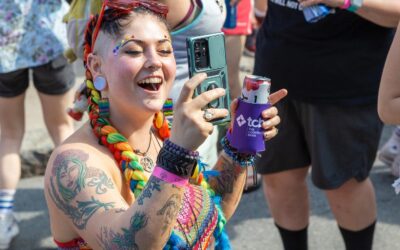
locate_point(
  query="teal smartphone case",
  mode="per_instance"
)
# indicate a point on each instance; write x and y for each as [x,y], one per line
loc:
[207,54]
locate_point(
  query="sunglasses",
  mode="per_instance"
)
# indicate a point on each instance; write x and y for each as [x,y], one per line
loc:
[126,6]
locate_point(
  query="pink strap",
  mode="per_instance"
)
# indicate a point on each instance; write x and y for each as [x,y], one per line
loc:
[169,177]
[346,4]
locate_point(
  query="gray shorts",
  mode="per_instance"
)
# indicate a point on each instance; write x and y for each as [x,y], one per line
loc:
[340,142]
[53,78]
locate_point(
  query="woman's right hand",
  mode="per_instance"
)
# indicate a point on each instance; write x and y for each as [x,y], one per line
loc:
[189,128]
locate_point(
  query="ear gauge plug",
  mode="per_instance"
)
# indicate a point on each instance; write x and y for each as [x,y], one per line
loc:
[100,83]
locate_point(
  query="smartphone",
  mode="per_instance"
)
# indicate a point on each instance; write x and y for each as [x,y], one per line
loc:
[207,54]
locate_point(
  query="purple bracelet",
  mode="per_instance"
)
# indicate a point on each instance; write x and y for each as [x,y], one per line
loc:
[178,150]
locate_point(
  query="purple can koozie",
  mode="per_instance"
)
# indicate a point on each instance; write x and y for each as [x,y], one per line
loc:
[247,134]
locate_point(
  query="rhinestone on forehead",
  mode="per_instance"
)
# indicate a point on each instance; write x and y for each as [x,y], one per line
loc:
[122,43]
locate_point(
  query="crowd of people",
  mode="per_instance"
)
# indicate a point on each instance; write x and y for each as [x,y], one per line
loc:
[138,176]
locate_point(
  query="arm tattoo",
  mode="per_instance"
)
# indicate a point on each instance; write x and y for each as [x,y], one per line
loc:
[152,185]
[224,182]
[169,211]
[99,180]
[70,176]
[109,239]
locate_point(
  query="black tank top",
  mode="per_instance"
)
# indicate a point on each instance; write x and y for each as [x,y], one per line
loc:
[338,59]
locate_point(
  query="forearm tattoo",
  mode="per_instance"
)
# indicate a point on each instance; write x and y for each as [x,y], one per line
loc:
[169,211]
[109,239]
[70,176]
[152,185]
[224,183]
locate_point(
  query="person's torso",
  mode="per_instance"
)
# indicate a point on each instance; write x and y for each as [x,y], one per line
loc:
[209,20]
[196,220]
[31,33]
[337,59]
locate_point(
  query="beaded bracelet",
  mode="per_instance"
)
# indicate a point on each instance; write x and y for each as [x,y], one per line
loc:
[243,159]
[177,160]
[172,147]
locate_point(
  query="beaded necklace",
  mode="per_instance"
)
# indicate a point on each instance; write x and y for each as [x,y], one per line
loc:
[128,161]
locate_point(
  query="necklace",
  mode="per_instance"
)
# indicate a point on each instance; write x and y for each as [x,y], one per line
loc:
[146,161]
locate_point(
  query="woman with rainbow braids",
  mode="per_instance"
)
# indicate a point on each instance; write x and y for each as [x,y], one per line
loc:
[124,180]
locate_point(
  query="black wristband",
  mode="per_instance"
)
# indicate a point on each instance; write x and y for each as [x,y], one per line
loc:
[176,163]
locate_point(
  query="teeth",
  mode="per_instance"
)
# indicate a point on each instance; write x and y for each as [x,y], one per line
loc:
[150,80]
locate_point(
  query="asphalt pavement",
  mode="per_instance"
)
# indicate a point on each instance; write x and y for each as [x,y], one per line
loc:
[250,228]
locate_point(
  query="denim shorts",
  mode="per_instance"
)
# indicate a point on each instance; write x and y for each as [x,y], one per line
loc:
[339,142]
[53,78]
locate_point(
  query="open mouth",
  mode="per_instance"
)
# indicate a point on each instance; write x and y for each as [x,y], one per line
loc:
[151,83]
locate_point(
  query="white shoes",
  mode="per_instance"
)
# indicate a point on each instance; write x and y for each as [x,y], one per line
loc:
[390,150]
[8,229]
[390,154]
[395,167]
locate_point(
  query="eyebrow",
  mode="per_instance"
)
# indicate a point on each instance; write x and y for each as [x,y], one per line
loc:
[141,42]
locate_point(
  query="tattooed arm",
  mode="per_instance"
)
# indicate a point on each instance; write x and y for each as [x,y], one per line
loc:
[80,190]
[229,184]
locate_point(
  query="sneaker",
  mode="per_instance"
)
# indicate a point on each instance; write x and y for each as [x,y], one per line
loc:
[390,150]
[395,167]
[8,229]
[253,180]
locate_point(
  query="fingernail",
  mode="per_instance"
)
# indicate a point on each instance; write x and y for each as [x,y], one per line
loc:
[268,123]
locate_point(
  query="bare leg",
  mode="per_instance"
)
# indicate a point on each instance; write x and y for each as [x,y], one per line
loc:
[353,204]
[234,46]
[12,125]
[287,197]
[58,123]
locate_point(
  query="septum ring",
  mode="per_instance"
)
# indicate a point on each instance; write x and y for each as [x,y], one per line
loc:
[208,115]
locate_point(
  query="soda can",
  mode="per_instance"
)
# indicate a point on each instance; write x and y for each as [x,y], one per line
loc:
[231,15]
[247,134]
[256,89]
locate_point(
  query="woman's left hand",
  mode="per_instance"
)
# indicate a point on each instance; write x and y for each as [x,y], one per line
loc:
[330,3]
[270,115]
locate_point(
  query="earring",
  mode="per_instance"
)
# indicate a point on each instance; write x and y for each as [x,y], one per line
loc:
[100,83]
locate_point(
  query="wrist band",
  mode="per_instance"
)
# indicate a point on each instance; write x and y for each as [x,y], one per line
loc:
[176,161]
[242,159]
[346,4]
[166,176]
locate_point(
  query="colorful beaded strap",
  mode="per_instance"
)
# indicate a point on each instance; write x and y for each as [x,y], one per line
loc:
[128,162]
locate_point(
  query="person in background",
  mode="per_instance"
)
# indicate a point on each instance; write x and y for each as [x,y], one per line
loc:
[258,17]
[32,40]
[331,69]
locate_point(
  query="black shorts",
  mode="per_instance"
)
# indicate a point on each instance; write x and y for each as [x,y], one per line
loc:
[53,78]
[340,142]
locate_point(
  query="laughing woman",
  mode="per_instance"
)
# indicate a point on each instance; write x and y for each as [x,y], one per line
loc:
[118,182]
